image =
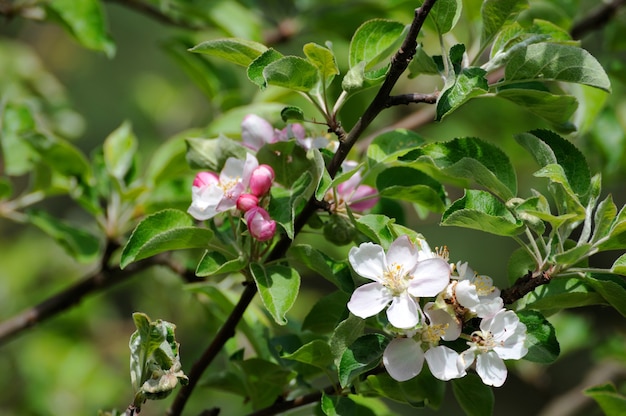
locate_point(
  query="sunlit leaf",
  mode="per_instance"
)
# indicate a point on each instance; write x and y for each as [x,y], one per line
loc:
[256,67]
[610,401]
[292,72]
[469,83]
[316,353]
[374,41]
[212,154]
[557,109]
[238,51]
[278,286]
[541,341]
[119,149]
[362,355]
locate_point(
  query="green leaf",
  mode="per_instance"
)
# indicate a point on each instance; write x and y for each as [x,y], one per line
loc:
[324,59]
[6,188]
[256,67]
[374,41]
[362,355]
[376,228]
[265,381]
[561,293]
[557,109]
[346,406]
[390,145]
[292,72]
[610,401]
[278,286]
[316,353]
[292,113]
[212,154]
[541,341]
[445,14]
[238,51]
[573,255]
[603,219]
[16,122]
[463,160]
[469,83]
[78,243]
[326,313]
[515,34]
[555,62]
[497,13]
[619,266]
[424,389]
[617,233]
[422,63]
[612,288]
[474,397]
[119,149]
[549,148]
[357,78]
[344,335]
[60,155]
[334,271]
[519,264]
[166,230]
[84,20]
[215,263]
[412,185]
[482,211]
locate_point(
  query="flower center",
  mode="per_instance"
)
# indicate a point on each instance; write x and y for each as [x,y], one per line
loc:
[433,333]
[484,285]
[396,279]
[228,185]
[485,341]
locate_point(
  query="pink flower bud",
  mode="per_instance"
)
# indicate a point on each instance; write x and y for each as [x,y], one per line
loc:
[261,180]
[246,202]
[260,225]
[204,179]
[363,198]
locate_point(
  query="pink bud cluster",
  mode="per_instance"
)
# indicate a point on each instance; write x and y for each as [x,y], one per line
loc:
[260,225]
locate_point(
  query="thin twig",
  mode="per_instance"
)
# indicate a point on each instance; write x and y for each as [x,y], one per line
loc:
[414,98]
[399,63]
[523,286]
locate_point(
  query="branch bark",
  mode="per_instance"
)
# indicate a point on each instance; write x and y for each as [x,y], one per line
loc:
[596,19]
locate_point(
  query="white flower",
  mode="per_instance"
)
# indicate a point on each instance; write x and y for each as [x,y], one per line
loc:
[211,195]
[403,358]
[398,278]
[476,292]
[501,337]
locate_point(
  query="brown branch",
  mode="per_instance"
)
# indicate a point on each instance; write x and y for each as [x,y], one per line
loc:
[104,278]
[399,63]
[414,98]
[596,19]
[524,285]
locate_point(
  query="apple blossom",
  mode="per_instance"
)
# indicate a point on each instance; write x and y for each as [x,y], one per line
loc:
[399,278]
[260,225]
[211,194]
[501,337]
[245,202]
[475,293]
[256,131]
[352,193]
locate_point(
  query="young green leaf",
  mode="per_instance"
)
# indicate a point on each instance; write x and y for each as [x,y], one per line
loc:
[215,263]
[474,397]
[389,146]
[60,155]
[610,401]
[541,30]
[265,381]
[445,14]
[465,159]
[212,154]
[316,353]
[497,13]
[412,185]
[292,113]
[422,63]
[334,271]
[557,109]
[561,293]
[603,219]
[119,149]
[327,313]
[612,288]
[619,266]
[256,67]
[278,286]
[344,335]
[78,243]
[555,62]
[238,51]
[362,355]
[469,83]
[292,72]
[424,389]
[84,20]
[376,228]
[324,59]
[374,41]
[164,231]
[344,406]
[541,341]
[17,121]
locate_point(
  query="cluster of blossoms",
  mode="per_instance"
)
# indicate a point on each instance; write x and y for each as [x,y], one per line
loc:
[241,185]
[405,274]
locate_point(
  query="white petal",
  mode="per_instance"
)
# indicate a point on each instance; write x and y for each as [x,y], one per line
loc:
[403,252]
[491,369]
[204,202]
[466,294]
[250,165]
[404,312]
[442,317]
[444,363]
[501,325]
[232,170]
[369,299]
[368,260]
[430,277]
[488,307]
[466,358]
[403,359]
[514,348]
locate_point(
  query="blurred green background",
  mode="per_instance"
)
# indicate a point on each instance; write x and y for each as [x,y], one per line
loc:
[77,362]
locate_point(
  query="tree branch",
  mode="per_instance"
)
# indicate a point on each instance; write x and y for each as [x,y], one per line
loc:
[524,285]
[596,19]
[414,98]
[399,63]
